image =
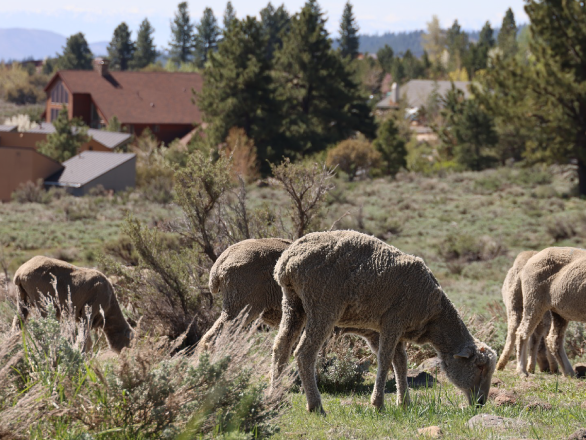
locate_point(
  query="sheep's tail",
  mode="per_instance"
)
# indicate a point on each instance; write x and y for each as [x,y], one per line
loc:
[214,283]
[280,274]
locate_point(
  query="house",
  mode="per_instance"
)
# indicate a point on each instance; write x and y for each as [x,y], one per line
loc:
[416,93]
[161,101]
[90,169]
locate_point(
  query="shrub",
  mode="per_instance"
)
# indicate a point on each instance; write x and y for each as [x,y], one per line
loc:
[391,147]
[154,178]
[242,152]
[32,192]
[459,249]
[565,225]
[25,93]
[354,156]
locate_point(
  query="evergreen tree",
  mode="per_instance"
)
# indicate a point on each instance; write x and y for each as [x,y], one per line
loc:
[434,40]
[76,54]
[238,87]
[507,38]
[385,57]
[322,104]
[65,141]
[206,37]
[182,31]
[349,42]
[391,146]
[145,53]
[121,48]
[485,43]
[457,44]
[274,22]
[229,16]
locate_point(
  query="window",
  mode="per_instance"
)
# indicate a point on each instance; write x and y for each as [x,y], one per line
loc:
[59,95]
[54,114]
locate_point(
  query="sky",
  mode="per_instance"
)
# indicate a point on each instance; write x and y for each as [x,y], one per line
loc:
[97,19]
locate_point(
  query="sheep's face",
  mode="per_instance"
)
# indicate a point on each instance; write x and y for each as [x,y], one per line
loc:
[471,370]
[121,340]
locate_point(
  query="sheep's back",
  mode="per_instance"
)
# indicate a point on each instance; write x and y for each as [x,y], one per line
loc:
[511,290]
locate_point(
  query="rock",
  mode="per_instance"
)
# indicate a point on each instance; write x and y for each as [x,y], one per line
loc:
[490,421]
[431,432]
[580,434]
[505,398]
[431,365]
[493,392]
[496,382]
[580,370]
[538,405]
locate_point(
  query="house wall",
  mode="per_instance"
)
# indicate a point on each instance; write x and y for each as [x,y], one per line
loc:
[93,145]
[82,108]
[30,140]
[19,165]
[163,132]
[118,179]
[51,105]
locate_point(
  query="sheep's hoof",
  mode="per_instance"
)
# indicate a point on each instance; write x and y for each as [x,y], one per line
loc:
[501,366]
[522,374]
[317,409]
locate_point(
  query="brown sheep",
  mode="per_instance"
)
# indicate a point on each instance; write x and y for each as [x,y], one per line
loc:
[350,279]
[243,275]
[34,281]
[553,280]
[513,299]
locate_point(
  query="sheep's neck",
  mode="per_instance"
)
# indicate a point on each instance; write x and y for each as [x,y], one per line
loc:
[447,332]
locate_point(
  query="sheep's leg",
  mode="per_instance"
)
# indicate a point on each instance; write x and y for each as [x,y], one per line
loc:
[555,343]
[212,332]
[317,330]
[533,347]
[512,326]
[543,356]
[370,336]
[22,309]
[386,353]
[291,326]
[400,368]
[553,364]
[529,323]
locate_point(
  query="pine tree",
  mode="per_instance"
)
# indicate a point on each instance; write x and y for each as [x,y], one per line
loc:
[238,89]
[385,57]
[76,54]
[457,44]
[206,37]
[485,43]
[434,40]
[182,30]
[229,17]
[349,41]
[65,142]
[121,48]
[391,146]
[507,38]
[322,104]
[145,53]
[274,22]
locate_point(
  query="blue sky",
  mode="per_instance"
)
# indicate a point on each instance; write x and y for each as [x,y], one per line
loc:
[97,19]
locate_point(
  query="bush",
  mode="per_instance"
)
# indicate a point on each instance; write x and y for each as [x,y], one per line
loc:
[25,93]
[458,250]
[353,157]
[32,192]
[391,147]
[154,178]
[242,152]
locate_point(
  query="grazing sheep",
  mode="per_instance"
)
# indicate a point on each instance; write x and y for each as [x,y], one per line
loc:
[350,279]
[243,275]
[35,279]
[513,299]
[552,280]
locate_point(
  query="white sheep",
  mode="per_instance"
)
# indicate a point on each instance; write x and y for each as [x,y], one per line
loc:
[552,280]
[35,280]
[513,299]
[350,279]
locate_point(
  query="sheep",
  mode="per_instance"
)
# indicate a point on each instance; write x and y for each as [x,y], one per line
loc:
[243,275]
[552,280]
[513,299]
[41,277]
[350,279]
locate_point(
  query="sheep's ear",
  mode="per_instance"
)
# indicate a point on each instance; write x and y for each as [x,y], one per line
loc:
[465,353]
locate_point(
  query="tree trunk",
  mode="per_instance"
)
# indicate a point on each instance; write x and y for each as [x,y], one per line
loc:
[582,177]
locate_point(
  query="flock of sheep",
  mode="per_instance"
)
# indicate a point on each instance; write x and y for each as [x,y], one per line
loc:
[363,286]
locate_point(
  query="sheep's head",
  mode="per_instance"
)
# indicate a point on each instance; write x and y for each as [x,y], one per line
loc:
[121,339]
[471,370]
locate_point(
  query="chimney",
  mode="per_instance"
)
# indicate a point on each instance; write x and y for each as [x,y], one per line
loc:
[395,93]
[101,66]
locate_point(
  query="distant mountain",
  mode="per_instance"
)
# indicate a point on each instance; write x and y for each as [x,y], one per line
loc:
[19,44]
[399,41]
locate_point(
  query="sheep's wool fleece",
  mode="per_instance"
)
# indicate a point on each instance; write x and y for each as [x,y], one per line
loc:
[361,277]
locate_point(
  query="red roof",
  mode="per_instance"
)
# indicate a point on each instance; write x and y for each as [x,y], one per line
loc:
[138,97]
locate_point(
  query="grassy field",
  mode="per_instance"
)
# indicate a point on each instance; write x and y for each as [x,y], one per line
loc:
[468,227]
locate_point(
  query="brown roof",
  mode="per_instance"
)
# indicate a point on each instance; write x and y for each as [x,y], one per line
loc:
[138,97]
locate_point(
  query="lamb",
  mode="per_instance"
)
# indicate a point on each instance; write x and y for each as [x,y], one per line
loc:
[513,299]
[243,275]
[35,280]
[552,280]
[351,279]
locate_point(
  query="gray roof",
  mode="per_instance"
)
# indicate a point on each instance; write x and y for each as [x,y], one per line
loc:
[6,128]
[417,91]
[87,166]
[109,139]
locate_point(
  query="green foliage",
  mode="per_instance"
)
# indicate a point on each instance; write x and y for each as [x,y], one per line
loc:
[121,49]
[407,67]
[114,124]
[274,23]
[434,40]
[145,53]
[349,41]
[229,16]
[507,37]
[76,54]
[32,192]
[68,137]
[385,58]
[353,156]
[341,369]
[457,45]
[207,33]
[391,146]
[182,35]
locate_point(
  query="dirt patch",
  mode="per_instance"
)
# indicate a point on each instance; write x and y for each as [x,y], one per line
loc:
[505,398]
[431,432]
[490,421]
[580,434]
[538,405]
